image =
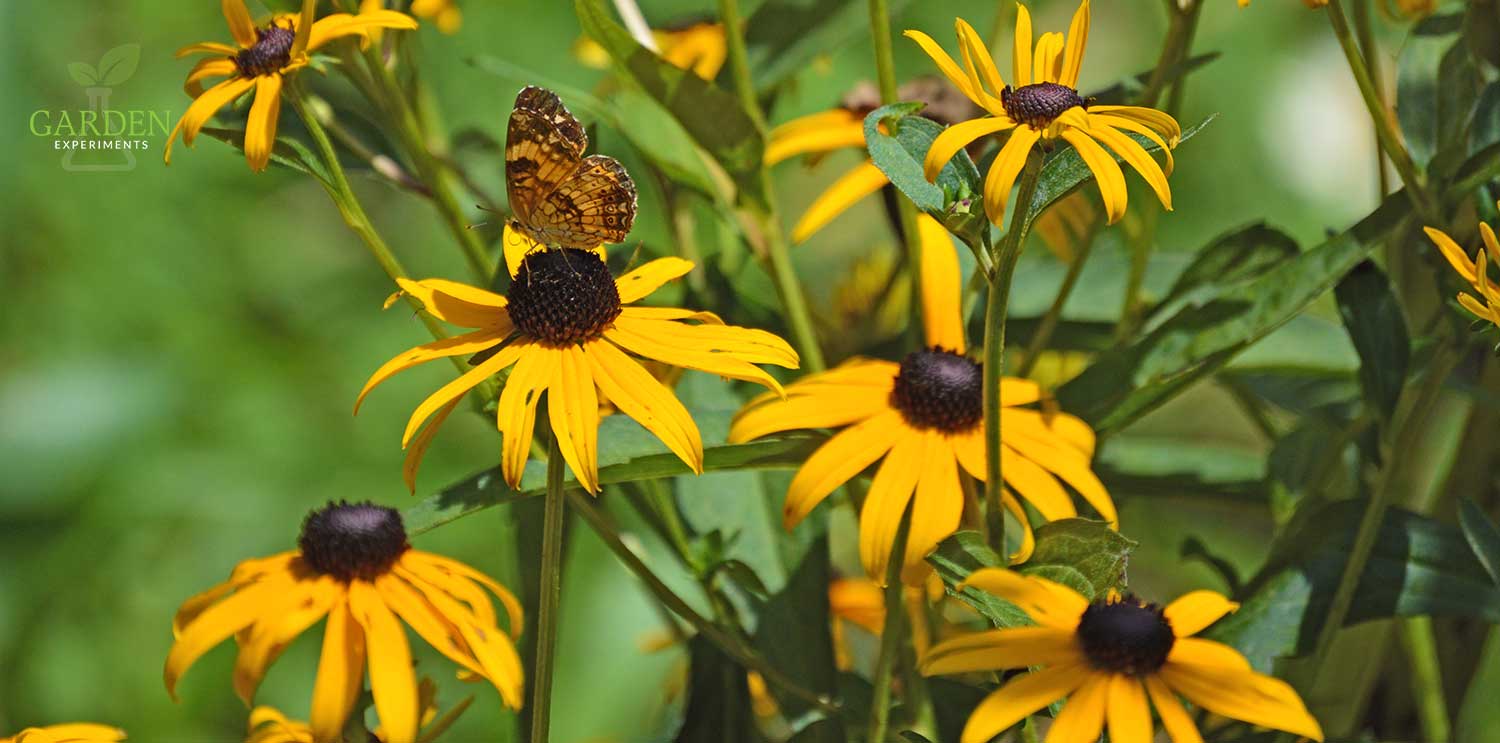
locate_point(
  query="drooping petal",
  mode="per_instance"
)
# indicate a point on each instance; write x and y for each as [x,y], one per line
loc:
[1131,125]
[848,190]
[1193,612]
[936,510]
[422,442]
[241,27]
[641,282]
[1078,38]
[203,108]
[1106,171]
[1128,711]
[639,395]
[1063,461]
[1028,539]
[1082,716]
[1049,604]
[515,415]
[573,409]
[341,674]
[392,681]
[459,304]
[217,623]
[886,502]
[302,606]
[1072,431]
[1133,153]
[1243,695]
[956,137]
[338,25]
[453,576]
[1491,244]
[946,65]
[727,351]
[1177,722]
[1003,171]
[835,130]
[828,407]
[431,625]
[260,127]
[1021,50]
[456,388]
[459,345]
[491,649]
[1020,697]
[840,458]
[999,649]
[1160,121]
[942,286]
[206,68]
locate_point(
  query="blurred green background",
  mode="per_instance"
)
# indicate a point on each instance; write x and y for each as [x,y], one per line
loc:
[182,346]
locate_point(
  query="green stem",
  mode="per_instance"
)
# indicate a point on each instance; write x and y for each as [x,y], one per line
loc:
[1182,26]
[782,271]
[549,595]
[890,635]
[1049,321]
[885,73]
[1420,644]
[1007,255]
[1371,54]
[731,645]
[1385,133]
[409,129]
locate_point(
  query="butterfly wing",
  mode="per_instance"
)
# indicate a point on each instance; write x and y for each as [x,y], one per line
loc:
[544,145]
[595,205]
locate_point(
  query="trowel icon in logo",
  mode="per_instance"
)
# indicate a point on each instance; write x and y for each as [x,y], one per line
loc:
[114,68]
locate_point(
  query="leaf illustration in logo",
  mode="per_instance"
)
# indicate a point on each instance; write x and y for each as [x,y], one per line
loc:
[118,64]
[83,74]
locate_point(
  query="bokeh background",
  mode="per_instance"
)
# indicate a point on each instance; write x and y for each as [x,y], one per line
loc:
[181,346]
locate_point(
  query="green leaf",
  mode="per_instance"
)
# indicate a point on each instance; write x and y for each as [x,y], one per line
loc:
[627,453]
[783,36]
[1484,130]
[1092,550]
[1483,536]
[1418,566]
[1232,259]
[1296,466]
[1479,716]
[1373,317]
[83,74]
[713,117]
[287,151]
[1199,339]
[118,64]
[1174,465]
[1436,86]
[955,199]
[912,736]
[792,631]
[958,556]
[1065,172]
[718,708]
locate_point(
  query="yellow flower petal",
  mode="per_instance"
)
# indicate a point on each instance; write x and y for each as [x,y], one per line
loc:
[1128,711]
[573,409]
[833,130]
[639,395]
[1132,125]
[1049,604]
[1021,53]
[1491,245]
[1174,718]
[459,304]
[207,47]
[341,674]
[1047,62]
[827,408]
[1158,120]
[421,442]
[260,127]
[339,25]
[1133,153]
[848,190]
[956,137]
[1028,539]
[1198,652]
[977,54]
[1106,171]
[515,414]
[1026,478]
[1004,169]
[203,108]
[1082,717]
[936,509]
[1193,612]
[206,68]
[1062,461]
[241,27]
[1000,649]
[458,345]
[1243,695]
[1078,38]
[641,282]
[727,351]
[516,245]
[459,575]
[217,623]
[418,612]
[1020,697]
[1478,308]
[301,607]
[842,457]
[942,286]
[487,647]
[947,66]
[456,388]
[392,681]
[886,502]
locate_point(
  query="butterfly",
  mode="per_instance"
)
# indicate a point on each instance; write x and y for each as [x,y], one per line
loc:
[558,196]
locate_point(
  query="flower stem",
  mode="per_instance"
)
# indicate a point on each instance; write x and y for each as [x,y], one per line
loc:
[890,635]
[730,644]
[1182,26]
[783,273]
[549,596]
[1420,644]
[1005,258]
[1371,55]
[1385,132]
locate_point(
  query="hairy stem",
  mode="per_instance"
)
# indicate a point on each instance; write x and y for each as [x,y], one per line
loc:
[549,596]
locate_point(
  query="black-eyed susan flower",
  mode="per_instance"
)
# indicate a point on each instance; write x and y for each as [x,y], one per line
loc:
[71,732]
[922,419]
[566,330]
[843,127]
[1114,659]
[1485,302]
[695,44]
[354,566]
[258,60]
[269,725]
[1043,107]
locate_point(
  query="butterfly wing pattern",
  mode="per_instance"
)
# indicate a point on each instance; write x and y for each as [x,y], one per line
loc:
[558,196]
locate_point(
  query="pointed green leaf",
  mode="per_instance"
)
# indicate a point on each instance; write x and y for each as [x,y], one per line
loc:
[1372,315]
[898,151]
[1483,536]
[287,151]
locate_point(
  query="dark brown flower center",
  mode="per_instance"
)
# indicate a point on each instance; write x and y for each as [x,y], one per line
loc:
[271,52]
[1127,636]
[1039,104]
[563,296]
[352,540]
[939,389]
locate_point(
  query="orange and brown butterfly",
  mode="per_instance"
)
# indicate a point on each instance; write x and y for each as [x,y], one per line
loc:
[558,196]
